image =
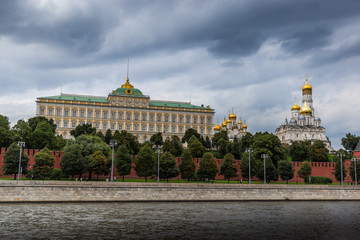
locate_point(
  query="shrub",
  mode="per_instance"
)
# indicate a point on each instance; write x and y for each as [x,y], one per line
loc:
[320,180]
[56,174]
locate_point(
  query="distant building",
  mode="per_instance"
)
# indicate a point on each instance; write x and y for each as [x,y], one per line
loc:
[126,108]
[234,129]
[303,125]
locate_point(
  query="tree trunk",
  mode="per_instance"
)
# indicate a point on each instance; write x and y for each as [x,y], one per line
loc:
[123,178]
[90,173]
[167,179]
[228,180]
[287,181]
[15,176]
[145,179]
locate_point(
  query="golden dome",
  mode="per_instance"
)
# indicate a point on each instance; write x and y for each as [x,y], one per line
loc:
[307,88]
[232,116]
[295,107]
[240,122]
[228,121]
[305,110]
[217,127]
[244,125]
[224,124]
[127,84]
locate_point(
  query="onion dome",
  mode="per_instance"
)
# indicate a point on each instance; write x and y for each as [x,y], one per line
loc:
[224,124]
[244,126]
[240,122]
[305,110]
[217,127]
[295,107]
[228,121]
[232,116]
[307,88]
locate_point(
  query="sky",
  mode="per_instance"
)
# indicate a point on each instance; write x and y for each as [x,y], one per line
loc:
[248,56]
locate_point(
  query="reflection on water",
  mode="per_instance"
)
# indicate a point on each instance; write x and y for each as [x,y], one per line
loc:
[185,220]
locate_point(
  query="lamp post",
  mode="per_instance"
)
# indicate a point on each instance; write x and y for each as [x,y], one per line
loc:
[113,143]
[249,150]
[355,160]
[341,155]
[264,156]
[158,151]
[21,145]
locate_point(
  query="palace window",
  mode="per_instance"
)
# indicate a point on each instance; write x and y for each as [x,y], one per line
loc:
[97,126]
[128,116]
[143,127]
[136,127]
[144,116]
[105,114]
[173,129]
[97,114]
[42,111]
[50,110]
[181,118]
[57,123]
[66,112]
[173,118]
[202,120]
[136,116]
[151,128]
[73,124]
[82,113]
[121,115]
[113,126]
[74,113]
[66,124]
[151,117]
[104,126]
[58,111]
[166,118]
[128,127]
[187,119]
[195,119]
[166,128]
[181,129]
[209,120]
[113,115]
[202,130]
[159,117]
[158,128]
[120,126]
[90,113]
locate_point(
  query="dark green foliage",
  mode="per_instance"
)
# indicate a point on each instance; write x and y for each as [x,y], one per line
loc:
[218,136]
[168,168]
[187,166]
[72,162]
[337,168]
[271,172]
[285,170]
[196,148]
[44,164]
[100,135]
[236,149]
[320,180]
[173,146]
[33,123]
[145,162]
[56,174]
[207,143]
[43,136]
[156,139]
[123,161]
[11,160]
[97,163]
[350,141]
[128,139]
[305,171]
[300,151]
[5,133]
[83,129]
[189,133]
[245,165]
[22,131]
[319,152]
[246,141]
[229,168]
[208,167]
[108,136]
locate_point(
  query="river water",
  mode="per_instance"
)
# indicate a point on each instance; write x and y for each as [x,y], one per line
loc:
[182,220]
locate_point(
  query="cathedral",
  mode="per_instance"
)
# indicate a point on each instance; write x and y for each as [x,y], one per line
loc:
[303,125]
[234,129]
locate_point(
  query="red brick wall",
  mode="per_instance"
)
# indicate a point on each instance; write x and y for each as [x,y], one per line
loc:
[323,169]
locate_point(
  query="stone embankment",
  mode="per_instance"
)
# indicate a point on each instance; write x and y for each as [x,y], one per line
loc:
[60,191]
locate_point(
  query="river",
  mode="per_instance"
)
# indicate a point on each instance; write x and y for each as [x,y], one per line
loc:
[182,220]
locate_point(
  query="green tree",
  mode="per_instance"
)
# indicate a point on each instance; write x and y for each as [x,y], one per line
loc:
[352,170]
[236,149]
[229,168]
[72,162]
[83,129]
[173,146]
[217,136]
[100,135]
[271,172]
[189,133]
[33,123]
[22,131]
[108,136]
[11,160]
[319,152]
[350,141]
[97,163]
[187,166]
[43,136]
[145,162]
[156,139]
[224,147]
[245,165]
[337,168]
[129,140]
[44,164]
[5,133]
[123,161]
[305,171]
[196,148]
[285,170]
[300,151]
[208,167]
[168,168]
[56,174]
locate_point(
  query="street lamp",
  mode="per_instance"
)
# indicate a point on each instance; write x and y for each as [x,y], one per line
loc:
[264,156]
[341,155]
[158,151]
[249,150]
[21,145]
[355,160]
[113,143]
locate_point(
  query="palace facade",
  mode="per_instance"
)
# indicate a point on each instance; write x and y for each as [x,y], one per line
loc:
[126,108]
[303,125]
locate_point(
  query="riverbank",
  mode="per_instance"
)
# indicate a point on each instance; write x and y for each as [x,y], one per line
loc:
[69,191]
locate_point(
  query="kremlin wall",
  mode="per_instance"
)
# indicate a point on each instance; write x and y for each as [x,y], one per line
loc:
[322,169]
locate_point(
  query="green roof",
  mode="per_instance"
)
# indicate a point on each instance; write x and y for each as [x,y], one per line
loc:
[77,98]
[122,91]
[175,104]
